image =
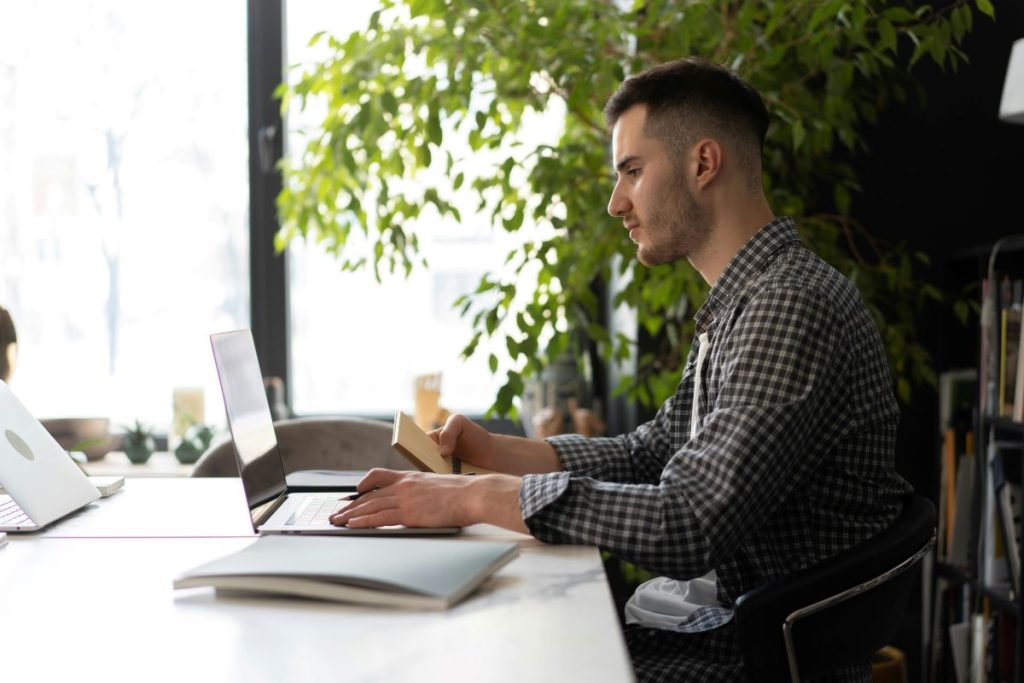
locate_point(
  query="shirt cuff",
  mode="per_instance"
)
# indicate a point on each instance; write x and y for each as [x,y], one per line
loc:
[537,491]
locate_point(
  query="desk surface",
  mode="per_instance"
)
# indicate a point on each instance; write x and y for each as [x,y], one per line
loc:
[103,609]
[164,508]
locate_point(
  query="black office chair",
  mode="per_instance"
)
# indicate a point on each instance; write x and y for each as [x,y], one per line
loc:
[840,611]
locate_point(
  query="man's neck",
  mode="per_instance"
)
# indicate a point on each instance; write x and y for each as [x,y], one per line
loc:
[731,230]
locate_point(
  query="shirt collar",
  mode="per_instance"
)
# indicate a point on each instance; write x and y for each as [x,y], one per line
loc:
[753,258]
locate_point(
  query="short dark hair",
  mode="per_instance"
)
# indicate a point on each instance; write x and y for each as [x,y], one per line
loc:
[7,337]
[691,98]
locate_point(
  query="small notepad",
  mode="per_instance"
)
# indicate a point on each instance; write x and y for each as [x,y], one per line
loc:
[420,450]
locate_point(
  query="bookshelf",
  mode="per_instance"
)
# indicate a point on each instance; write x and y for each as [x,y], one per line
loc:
[976,600]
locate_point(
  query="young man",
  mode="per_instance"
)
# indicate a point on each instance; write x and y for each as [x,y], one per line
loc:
[776,450]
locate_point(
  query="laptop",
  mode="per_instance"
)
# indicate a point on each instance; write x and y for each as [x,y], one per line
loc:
[274,506]
[41,482]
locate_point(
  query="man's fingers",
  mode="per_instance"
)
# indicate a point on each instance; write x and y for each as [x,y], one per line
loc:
[366,505]
[377,478]
[448,435]
[376,519]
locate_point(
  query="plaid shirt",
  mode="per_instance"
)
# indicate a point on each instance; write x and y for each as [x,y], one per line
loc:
[793,457]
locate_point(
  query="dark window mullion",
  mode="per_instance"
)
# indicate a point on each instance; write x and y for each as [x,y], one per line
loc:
[267,272]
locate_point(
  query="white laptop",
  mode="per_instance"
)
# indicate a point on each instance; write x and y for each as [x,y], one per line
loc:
[41,481]
[273,507]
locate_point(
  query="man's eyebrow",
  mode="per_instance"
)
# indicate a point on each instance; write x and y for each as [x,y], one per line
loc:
[625,161]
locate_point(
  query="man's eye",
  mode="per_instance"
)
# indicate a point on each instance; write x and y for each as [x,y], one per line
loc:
[633,172]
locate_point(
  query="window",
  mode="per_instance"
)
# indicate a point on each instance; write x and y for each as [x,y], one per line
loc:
[357,345]
[123,200]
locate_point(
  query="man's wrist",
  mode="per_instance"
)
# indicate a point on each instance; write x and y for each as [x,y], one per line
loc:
[494,499]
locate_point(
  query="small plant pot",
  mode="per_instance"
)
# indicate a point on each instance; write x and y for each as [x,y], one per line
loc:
[139,453]
[187,453]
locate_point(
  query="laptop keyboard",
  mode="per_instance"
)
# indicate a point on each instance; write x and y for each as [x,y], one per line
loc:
[11,514]
[316,510]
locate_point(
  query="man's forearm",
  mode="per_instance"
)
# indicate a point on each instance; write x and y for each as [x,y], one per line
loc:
[494,499]
[521,456]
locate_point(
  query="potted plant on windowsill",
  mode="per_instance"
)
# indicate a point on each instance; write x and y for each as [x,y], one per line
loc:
[195,442]
[138,443]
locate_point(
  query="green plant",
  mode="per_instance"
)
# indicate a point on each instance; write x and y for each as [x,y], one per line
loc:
[429,77]
[138,443]
[193,444]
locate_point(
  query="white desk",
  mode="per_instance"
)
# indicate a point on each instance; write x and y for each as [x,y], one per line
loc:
[102,609]
[162,508]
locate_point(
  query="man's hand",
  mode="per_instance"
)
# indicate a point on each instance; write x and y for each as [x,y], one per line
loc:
[418,499]
[471,443]
[462,438]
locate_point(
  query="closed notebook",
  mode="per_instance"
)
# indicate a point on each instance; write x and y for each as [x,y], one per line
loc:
[421,451]
[395,572]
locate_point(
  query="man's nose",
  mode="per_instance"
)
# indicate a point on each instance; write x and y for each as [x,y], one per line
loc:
[618,204]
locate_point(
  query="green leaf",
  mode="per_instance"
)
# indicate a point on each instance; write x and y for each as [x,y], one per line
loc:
[434,126]
[423,154]
[799,134]
[961,309]
[842,198]
[987,9]
[899,15]
[516,221]
[887,35]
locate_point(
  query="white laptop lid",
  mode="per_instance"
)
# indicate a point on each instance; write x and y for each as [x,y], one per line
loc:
[34,470]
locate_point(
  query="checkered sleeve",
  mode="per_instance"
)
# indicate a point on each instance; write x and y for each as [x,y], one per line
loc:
[638,457]
[780,386]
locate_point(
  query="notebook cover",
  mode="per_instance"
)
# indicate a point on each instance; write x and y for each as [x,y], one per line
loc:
[378,571]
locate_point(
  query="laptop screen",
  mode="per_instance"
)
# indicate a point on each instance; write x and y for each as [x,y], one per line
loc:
[252,428]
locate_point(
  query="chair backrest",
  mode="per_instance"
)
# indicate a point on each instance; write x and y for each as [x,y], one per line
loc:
[321,443]
[840,611]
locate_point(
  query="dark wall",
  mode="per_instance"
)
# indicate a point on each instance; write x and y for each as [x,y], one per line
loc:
[946,176]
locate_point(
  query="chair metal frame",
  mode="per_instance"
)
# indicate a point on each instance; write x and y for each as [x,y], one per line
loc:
[814,608]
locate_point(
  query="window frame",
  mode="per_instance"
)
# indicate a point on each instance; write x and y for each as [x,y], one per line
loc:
[268,275]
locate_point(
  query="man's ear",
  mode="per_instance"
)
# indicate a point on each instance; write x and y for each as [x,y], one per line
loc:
[706,157]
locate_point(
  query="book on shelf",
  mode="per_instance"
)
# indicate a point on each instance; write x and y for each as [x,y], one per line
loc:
[994,560]
[1009,347]
[1002,659]
[947,492]
[993,643]
[1014,334]
[390,572]
[959,644]
[958,393]
[979,642]
[1006,487]
[960,533]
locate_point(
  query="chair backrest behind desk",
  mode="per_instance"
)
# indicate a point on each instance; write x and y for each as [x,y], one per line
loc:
[320,443]
[840,611]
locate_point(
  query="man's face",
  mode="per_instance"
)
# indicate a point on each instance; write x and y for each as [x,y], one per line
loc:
[651,196]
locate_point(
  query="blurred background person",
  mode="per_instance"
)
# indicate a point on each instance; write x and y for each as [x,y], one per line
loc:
[8,345]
